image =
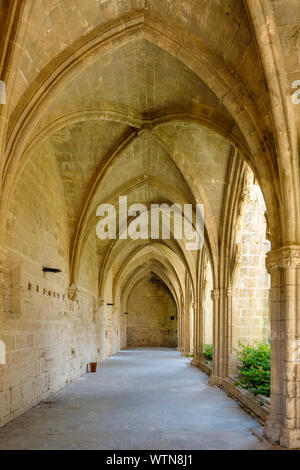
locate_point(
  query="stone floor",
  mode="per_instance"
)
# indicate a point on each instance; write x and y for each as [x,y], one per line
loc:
[138,399]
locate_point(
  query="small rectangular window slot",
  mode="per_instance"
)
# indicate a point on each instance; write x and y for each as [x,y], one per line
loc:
[51,270]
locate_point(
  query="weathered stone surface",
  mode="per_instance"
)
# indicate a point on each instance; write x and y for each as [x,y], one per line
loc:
[164,102]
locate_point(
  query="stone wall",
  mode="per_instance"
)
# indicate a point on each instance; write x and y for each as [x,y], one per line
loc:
[150,308]
[49,338]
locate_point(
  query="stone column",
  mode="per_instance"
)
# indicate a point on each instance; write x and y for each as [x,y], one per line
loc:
[283,424]
[200,331]
[230,361]
[196,337]
[186,319]
[186,334]
[216,376]
[3,271]
[180,329]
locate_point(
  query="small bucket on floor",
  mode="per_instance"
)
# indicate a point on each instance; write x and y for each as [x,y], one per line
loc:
[93,366]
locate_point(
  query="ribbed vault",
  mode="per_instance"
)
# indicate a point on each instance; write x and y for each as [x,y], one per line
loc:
[164,102]
[130,112]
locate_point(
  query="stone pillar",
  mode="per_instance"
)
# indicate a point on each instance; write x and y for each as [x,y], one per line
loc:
[123,338]
[230,364]
[3,270]
[186,318]
[216,376]
[283,424]
[180,330]
[196,338]
[186,335]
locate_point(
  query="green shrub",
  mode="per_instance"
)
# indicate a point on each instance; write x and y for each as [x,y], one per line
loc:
[207,351]
[255,368]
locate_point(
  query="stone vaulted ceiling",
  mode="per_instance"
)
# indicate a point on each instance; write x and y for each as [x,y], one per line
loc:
[125,110]
[162,101]
[129,90]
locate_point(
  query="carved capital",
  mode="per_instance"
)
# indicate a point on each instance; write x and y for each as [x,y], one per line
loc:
[229,292]
[215,294]
[283,258]
[72,292]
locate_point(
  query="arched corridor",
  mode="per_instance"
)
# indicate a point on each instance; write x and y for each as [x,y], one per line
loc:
[150,197]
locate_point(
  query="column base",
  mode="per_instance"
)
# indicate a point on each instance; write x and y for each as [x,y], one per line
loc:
[215,380]
[275,432]
[186,354]
[272,431]
[290,438]
[195,362]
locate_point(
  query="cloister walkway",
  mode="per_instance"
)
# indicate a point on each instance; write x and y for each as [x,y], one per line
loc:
[138,399]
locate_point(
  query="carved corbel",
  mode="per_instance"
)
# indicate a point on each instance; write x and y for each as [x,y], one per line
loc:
[73,293]
[215,294]
[229,291]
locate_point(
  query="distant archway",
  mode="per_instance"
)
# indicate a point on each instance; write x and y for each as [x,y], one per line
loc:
[251,284]
[151,318]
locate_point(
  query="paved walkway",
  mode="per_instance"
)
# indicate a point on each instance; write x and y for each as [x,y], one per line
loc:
[138,399]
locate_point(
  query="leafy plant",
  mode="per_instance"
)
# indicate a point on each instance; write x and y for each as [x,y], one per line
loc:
[255,368]
[207,351]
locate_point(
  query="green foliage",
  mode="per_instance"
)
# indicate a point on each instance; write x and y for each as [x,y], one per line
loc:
[255,368]
[207,351]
